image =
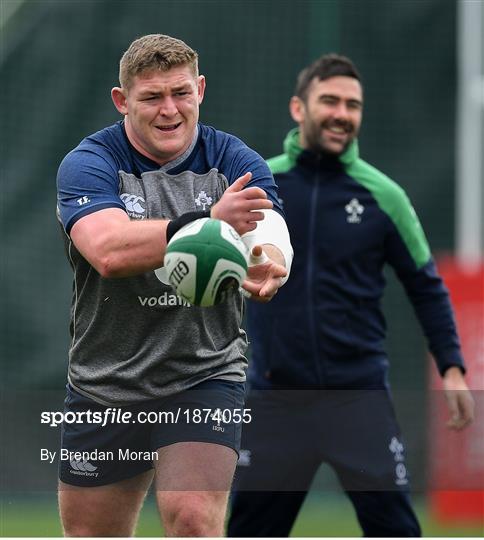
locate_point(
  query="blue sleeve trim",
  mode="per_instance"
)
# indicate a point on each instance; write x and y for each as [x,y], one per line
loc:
[87,181]
[90,210]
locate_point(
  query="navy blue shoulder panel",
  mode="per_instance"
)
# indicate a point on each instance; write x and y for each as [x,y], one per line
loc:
[87,178]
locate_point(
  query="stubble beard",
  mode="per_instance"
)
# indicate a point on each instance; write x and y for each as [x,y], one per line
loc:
[315,139]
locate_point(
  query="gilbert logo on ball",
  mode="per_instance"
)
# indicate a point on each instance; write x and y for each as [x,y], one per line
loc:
[204,260]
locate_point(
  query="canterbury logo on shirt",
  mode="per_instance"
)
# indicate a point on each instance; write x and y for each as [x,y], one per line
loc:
[134,205]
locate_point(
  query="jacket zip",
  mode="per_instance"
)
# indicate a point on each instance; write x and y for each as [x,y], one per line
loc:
[309,276]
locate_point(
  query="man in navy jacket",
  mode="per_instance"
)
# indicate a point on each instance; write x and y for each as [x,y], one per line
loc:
[319,369]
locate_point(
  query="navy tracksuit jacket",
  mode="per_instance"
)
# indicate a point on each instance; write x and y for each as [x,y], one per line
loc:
[325,330]
[346,220]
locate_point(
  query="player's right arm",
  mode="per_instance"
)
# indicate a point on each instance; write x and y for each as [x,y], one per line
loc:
[94,216]
[117,246]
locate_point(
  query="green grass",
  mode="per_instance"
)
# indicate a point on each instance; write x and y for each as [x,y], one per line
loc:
[322,515]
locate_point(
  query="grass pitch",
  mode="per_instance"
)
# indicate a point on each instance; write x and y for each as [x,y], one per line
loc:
[323,515]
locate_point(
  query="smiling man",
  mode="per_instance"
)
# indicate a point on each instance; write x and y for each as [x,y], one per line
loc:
[163,110]
[322,338]
[122,194]
[329,111]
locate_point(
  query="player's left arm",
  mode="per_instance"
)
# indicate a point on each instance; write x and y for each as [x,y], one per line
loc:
[433,308]
[268,238]
[271,256]
[459,399]
[407,251]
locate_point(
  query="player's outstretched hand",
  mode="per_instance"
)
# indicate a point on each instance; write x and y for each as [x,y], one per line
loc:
[241,207]
[459,399]
[264,276]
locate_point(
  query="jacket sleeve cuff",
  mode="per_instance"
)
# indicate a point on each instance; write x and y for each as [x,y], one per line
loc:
[449,358]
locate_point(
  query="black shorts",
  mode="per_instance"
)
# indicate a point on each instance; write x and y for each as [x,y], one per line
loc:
[101,445]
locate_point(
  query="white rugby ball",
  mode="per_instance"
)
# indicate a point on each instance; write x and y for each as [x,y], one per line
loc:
[204,260]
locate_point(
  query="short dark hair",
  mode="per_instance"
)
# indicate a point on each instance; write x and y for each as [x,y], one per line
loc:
[325,67]
[155,52]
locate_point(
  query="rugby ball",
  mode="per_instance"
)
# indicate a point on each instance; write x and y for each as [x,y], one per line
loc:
[204,260]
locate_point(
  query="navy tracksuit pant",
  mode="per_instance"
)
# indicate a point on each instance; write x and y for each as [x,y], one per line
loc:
[293,432]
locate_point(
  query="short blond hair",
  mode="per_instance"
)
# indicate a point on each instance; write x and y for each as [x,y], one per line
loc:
[155,52]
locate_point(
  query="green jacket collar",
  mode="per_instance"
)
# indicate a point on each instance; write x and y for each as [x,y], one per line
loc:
[293,149]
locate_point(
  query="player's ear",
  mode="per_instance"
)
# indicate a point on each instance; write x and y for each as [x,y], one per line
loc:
[201,88]
[119,100]
[297,109]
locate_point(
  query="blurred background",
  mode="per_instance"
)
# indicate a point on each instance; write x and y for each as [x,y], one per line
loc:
[59,60]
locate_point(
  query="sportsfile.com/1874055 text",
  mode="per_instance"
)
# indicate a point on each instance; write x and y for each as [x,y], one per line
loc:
[116,415]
